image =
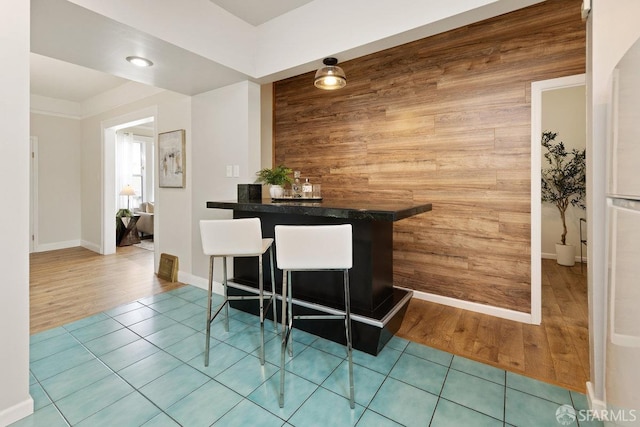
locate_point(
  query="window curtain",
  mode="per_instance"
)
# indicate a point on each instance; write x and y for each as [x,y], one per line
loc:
[123,168]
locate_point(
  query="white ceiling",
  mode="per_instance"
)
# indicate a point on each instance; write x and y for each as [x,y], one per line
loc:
[191,45]
[61,80]
[57,79]
[257,12]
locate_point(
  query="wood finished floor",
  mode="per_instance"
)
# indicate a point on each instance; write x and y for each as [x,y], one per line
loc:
[71,284]
[557,351]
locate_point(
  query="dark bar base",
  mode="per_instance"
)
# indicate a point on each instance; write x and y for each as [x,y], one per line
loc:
[370,335]
[377,307]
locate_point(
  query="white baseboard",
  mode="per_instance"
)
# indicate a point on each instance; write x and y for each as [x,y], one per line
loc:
[16,412]
[199,282]
[91,246]
[504,313]
[553,256]
[43,247]
[595,404]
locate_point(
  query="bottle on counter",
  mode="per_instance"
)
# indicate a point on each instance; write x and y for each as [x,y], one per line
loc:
[307,188]
[296,188]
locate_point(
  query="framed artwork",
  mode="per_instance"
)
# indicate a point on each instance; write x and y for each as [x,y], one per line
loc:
[171,159]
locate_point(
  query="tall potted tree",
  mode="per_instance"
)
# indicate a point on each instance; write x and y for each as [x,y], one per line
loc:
[563,184]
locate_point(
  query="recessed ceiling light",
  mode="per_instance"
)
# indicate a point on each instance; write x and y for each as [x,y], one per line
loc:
[139,61]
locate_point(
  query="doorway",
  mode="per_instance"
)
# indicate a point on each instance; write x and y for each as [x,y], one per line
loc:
[110,194]
[538,89]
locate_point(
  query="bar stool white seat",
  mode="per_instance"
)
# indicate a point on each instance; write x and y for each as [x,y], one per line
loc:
[242,237]
[313,248]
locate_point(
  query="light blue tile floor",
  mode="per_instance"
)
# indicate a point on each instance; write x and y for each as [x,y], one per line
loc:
[142,364]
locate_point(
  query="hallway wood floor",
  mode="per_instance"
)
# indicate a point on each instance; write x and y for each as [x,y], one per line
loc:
[70,284]
[557,351]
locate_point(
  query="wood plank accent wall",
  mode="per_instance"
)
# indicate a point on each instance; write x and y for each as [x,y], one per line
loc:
[444,120]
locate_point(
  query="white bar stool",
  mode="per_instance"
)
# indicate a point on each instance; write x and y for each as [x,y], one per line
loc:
[313,248]
[237,238]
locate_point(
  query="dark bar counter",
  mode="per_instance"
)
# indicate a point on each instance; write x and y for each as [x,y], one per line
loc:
[378,308]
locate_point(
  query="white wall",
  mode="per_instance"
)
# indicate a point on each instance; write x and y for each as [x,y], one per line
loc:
[222,128]
[266,126]
[226,131]
[15,401]
[173,113]
[612,28]
[563,111]
[58,216]
[173,216]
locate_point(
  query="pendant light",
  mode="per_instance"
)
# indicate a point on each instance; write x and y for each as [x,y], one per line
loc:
[330,77]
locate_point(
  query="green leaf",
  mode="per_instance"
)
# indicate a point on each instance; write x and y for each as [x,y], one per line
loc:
[276,176]
[564,182]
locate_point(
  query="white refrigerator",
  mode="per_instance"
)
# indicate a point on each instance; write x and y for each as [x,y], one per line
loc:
[622,375]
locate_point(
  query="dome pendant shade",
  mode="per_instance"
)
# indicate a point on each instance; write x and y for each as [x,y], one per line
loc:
[330,77]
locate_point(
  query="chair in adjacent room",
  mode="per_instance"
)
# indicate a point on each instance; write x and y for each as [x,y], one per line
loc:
[242,237]
[313,248]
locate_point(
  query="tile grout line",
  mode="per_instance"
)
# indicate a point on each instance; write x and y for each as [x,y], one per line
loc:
[95,356]
[439,396]
[344,358]
[161,349]
[244,396]
[504,405]
[50,400]
[135,389]
[247,354]
[183,363]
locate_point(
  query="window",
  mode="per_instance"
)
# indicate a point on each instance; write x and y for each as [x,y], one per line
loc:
[134,167]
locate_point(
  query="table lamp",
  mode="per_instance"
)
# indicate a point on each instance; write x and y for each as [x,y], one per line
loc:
[128,191]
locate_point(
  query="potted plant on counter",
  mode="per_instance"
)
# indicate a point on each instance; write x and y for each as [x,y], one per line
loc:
[277,178]
[563,183]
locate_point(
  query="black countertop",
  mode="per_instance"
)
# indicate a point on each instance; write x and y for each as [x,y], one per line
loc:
[350,209]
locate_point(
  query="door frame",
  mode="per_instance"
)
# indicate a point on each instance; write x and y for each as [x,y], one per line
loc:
[109,194]
[537,89]
[33,194]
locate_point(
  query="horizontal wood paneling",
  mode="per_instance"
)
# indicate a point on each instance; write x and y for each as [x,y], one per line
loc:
[444,120]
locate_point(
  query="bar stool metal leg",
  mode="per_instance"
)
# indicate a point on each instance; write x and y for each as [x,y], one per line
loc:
[261,298]
[226,295]
[206,350]
[290,314]
[347,330]
[225,305]
[285,334]
[273,290]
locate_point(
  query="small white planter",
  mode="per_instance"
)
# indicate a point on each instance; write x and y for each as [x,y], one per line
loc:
[565,254]
[276,191]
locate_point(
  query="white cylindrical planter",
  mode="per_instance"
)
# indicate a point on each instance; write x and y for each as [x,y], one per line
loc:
[566,254]
[276,191]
